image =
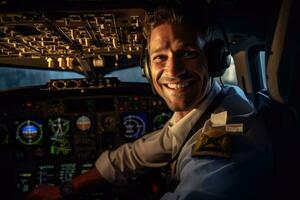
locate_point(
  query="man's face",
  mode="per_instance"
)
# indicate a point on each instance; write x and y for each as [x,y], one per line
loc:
[178,67]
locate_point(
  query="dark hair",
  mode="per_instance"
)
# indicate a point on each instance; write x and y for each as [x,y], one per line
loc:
[179,14]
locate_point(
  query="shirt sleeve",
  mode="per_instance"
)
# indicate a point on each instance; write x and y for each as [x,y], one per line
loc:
[152,150]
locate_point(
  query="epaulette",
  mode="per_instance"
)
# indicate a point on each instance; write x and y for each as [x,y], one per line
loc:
[216,138]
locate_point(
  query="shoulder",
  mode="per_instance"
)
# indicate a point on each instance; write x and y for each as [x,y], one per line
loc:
[236,102]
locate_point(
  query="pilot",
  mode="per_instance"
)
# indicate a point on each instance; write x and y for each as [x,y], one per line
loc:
[214,144]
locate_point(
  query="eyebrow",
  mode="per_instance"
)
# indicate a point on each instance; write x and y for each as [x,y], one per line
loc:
[185,45]
[158,50]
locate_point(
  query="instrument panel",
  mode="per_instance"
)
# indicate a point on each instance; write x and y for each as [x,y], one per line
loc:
[50,139]
[71,39]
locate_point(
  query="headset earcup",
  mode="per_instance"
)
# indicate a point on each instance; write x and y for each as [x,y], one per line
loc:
[146,67]
[218,57]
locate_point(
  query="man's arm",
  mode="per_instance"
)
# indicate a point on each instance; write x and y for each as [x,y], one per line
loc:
[89,178]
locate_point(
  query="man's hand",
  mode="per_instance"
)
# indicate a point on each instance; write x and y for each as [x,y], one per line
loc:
[44,192]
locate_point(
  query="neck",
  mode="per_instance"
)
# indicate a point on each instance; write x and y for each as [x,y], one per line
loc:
[180,114]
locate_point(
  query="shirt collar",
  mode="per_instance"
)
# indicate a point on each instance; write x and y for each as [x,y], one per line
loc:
[184,125]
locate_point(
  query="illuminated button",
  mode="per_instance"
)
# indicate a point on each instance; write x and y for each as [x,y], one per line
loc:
[154,103]
[136,98]
[29,104]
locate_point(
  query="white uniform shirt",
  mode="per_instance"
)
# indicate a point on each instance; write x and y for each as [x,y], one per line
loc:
[197,175]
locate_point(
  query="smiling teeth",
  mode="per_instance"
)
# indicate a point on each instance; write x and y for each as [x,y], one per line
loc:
[177,86]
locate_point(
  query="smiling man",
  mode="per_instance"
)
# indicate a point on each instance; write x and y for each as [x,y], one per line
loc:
[179,70]
[224,158]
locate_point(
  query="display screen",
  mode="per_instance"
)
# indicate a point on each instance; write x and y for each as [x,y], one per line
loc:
[29,132]
[46,174]
[84,137]
[84,167]
[60,138]
[67,171]
[134,124]
[57,139]
[24,182]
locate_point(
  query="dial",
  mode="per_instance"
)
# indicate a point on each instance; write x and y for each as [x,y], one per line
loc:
[29,132]
[135,126]
[160,120]
[83,123]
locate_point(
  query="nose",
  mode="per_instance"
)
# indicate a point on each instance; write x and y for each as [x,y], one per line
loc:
[174,67]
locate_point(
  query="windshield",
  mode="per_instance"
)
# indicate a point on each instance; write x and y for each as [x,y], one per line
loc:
[15,77]
[132,74]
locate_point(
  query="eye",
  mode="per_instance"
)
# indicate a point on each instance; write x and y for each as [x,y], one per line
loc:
[158,58]
[189,54]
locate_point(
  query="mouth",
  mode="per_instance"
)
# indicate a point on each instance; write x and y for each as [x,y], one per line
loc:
[176,86]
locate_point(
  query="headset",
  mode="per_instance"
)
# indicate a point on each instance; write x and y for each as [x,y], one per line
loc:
[216,52]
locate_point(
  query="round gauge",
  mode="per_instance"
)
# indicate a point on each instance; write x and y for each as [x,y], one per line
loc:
[29,132]
[134,126]
[83,123]
[3,134]
[160,120]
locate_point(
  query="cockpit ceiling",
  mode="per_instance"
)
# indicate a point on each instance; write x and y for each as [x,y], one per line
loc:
[66,39]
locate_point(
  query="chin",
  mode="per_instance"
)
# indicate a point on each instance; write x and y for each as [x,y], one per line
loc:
[178,107]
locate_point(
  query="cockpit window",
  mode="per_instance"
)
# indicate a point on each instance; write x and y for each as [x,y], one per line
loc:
[262,67]
[20,77]
[229,77]
[133,74]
